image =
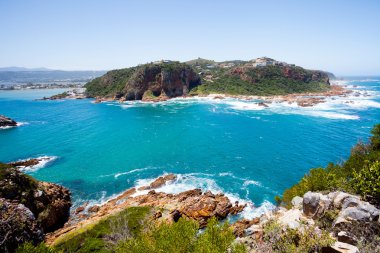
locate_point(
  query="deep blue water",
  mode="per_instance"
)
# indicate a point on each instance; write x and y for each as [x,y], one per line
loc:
[253,153]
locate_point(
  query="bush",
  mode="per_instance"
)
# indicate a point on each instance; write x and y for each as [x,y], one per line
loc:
[284,239]
[182,237]
[366,182]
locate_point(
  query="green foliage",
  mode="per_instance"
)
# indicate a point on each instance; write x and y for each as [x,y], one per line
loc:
[367,181]
[127,222]
[215,239]
[359,174]
[284,239]
[110,84]
[375,139]
[261,81]
[182,237]
[30,248]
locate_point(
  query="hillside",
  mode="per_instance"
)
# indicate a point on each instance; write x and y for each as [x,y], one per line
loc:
[166,79]
[160,80]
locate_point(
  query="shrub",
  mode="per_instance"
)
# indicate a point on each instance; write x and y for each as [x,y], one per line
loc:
[367,181]
[284,239]
[182,237]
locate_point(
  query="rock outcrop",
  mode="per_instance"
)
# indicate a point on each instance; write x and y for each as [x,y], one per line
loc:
[352,222]
[7,122]
[17,225]
[49,203]
[194,204]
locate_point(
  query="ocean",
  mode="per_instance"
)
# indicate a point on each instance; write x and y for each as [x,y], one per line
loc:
[249,152]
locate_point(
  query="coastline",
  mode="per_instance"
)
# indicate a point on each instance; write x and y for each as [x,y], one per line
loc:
[301,99]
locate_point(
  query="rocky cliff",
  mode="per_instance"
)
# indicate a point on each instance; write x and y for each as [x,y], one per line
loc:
[30,208]
[148,82]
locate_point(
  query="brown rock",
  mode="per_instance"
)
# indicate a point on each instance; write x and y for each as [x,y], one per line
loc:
[157,215]
[240,226]
[159,182]
[79,209]
[94,209]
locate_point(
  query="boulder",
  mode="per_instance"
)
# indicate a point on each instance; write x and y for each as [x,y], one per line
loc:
[346,237]
[7,122]
[354,213]
[297,202]
[315,204]
[338,198]
[17,225]
[341,247]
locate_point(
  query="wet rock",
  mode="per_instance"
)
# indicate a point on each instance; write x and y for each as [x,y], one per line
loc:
[237,208]
[81,208]
[94,209]
[7,122]
[262,104]
[160,181]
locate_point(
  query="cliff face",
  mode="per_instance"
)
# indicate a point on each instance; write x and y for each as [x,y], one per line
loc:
[148,82]
[29,207]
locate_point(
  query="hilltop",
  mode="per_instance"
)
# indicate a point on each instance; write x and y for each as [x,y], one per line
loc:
[166,79]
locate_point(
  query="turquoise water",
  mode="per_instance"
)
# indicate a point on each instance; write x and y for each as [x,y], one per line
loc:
[250,152]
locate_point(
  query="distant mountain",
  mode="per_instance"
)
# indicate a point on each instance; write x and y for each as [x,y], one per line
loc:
[23,69]
[20,75]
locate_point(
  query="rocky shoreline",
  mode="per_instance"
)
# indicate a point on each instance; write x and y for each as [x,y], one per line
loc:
[194,204]
[44,209]
[308,212]
[301,99]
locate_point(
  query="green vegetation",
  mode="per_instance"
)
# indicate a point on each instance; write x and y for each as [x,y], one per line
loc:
[110,84]
[182,237]
[129,231]
[127,223]
[268,80]
[287,240]
[360,174]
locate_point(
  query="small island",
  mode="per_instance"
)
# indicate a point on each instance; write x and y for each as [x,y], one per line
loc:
[161,80]
[6,122]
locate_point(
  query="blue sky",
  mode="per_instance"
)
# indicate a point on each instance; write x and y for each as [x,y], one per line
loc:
[338,36]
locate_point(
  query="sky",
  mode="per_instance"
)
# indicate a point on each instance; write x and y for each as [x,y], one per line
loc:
[341,36]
